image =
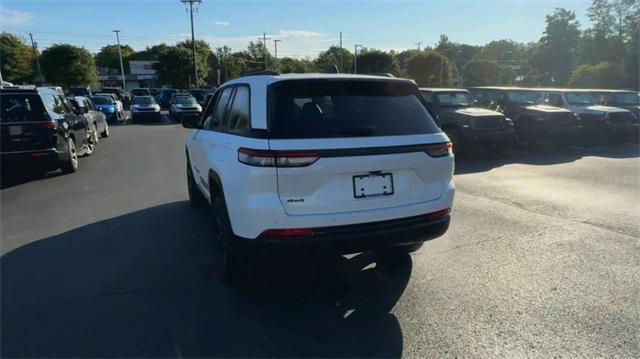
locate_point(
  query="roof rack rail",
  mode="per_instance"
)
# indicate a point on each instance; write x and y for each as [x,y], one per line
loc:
[262,73]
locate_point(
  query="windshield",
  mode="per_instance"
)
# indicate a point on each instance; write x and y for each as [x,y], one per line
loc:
[523,96]
[102,100]
[21,108]
[140,92]
[627,98]
[454,99]
[579,98]
[185,100]
[320,109]
[146,100]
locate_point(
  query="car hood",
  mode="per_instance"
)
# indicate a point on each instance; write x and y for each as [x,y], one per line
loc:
[545,108]
[597,109]
[475,112]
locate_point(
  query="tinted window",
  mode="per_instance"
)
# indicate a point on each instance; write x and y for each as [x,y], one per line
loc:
[427,96]
[239,113]
[579,98]
[102,100]
[215,114]
[21,108]
[454,99]
[324,109]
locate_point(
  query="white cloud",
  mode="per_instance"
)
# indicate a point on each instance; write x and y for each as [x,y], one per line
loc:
[298,34]
[222,23]
[14,17]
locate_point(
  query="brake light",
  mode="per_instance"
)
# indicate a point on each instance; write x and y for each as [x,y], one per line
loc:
[288,233]
[45,125]
[265,158]
[438,214]
[439,149]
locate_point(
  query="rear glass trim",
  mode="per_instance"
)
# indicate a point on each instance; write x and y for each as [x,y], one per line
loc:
[366,151]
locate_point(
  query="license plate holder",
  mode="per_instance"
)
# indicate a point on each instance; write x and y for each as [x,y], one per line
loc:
[15,130]
[373,185]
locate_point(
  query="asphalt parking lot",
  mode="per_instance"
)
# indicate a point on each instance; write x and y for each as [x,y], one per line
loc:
[542,259]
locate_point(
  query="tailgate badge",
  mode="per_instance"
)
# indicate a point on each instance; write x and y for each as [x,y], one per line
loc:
[295,200]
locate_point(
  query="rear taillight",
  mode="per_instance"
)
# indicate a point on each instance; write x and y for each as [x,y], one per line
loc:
[45,125]
[288,233]
[438,214]
[439,149]
[265,158]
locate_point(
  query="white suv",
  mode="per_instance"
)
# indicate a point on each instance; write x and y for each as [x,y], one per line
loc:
[346,162]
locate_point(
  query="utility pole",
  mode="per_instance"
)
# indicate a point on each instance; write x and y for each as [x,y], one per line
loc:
[355,58]
[341,59]
[275,44]
[193,37]
[265,38]
[124,82]
[34,45]
[419,43]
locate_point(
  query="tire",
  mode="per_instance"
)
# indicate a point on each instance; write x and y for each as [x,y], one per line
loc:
[196,198]
[70,165]
[90,147]
[226,264]
[105,133]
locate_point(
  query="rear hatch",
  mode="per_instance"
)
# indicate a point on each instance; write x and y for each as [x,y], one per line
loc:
[25,124]
[355,145]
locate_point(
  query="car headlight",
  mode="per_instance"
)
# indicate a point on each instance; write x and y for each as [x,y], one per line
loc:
[111,109]
[199,108]
[508,121]
[156,107]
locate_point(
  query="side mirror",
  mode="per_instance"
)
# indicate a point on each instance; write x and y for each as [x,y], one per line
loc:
[191,121]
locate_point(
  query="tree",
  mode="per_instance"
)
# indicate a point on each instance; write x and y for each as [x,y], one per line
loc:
[428,68]
[404,56]
[331,57]
[172,67]
[203,51]
[67,65]
[290,65]
[109,57]
[554,57]
[16,59]
[150,53]
[481,73]
[376,61]
[602,75]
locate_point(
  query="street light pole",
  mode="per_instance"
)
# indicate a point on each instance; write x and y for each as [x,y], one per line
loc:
[193,38]
[355,58]
[124,83]
[275,51]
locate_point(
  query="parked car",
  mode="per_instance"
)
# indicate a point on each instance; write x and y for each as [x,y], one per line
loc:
[344,163]
[182,105]
[145,108]
[118,103]
[164,98]
[199,94]
[108,106]
[597,121]
[629,100]
[40,129]
[95,117]
[532,121]
[80,91]
[121,95]
[140,92]
[465,124]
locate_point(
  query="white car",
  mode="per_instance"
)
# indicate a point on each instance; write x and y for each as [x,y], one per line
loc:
[183,105]
[343,162]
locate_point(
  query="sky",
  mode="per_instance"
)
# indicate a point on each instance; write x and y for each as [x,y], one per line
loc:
[305,27]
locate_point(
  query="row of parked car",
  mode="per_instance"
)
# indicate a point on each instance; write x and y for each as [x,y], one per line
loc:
[501,116]
[43,128]
[146,107]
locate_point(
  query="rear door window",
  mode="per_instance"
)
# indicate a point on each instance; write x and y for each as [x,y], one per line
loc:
[238,119]
[346,108]
[21,108]
[215,114]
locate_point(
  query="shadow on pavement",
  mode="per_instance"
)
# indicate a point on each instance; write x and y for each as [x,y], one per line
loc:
[11,177]
[481,160]
[142,285]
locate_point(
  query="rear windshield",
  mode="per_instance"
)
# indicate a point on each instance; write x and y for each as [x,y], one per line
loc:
[327,109]
[21,108]
[102,100]
[146,100]
[185,100]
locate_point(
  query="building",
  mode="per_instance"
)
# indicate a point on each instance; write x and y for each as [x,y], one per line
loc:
[141,74]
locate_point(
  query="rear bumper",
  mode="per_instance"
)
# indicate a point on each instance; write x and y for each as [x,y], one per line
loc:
[48,159]
[359,237]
